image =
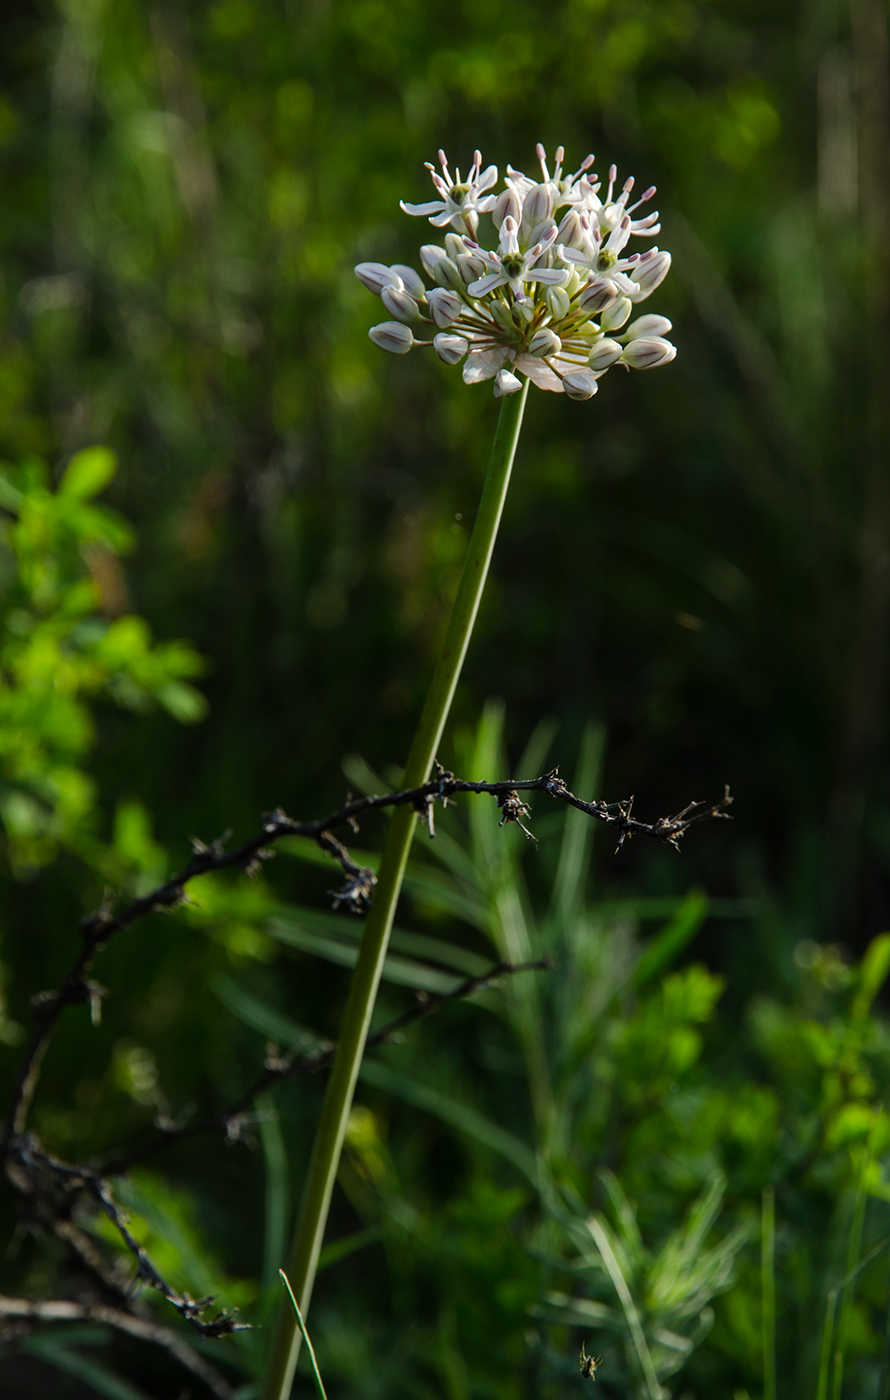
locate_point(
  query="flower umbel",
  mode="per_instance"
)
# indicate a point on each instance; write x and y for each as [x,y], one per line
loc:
[549,303]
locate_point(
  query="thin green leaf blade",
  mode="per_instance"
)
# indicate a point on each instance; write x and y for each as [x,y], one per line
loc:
[460,1116]
[673,938]
[93,1373]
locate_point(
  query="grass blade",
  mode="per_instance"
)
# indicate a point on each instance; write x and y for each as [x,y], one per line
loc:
[401,970]
[838,1375]
[259,1016]
[440,890]
[619,1283]
[885,1356]
[825,1352]
[768,1290]
[93,1373]
[828,1329]
[457,1115]
[534,755]
[306,849]
[854,1267]
[448,852]
[277,1190]
[316,1374]
[341,1249]
[574,855]
[673,938]
[346,929]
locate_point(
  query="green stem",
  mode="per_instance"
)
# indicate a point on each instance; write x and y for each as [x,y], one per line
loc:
[325,1158]
[825,1353]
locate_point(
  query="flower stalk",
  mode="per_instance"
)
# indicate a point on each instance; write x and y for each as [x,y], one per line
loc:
[548,306]
[331,1130]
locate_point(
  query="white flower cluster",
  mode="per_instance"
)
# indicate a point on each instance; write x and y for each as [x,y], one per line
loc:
[552,303]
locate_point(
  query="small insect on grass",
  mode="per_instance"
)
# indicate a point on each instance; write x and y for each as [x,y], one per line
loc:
[589,1365]
[316,1374]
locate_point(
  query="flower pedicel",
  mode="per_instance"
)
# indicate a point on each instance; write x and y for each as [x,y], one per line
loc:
[551,303]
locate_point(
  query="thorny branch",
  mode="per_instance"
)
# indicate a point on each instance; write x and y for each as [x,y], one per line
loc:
[29,1167]
[232,1120]
[26,1312]
[28,1164]
[26,1158]
[355,893]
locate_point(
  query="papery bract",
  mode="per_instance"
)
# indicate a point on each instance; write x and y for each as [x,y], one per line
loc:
[505,382]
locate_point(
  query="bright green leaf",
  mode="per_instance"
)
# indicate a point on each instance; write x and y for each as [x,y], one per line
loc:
[88,473]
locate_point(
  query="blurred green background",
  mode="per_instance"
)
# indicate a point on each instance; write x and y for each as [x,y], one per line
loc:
[691,587]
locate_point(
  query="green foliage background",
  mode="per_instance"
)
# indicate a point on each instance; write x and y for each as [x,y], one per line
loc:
[696,562]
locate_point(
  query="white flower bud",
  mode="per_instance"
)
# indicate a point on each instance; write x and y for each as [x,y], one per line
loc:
[588,331]
[540,231]
[450,348]
[647,326]
[399,304]
[650,272]
[454,246]
[392,336]
[505,383]
[544,342]
[603,354]
[447,274]
[575,282]
[524,311]
[375,276]
[502,315]
[598,295]
[412,281]
[557,302]
[506,204]
[571,230]
[614,317]
[579,384]
[648,354]
[471,268]
[537,206]
[445,306]
[430,255]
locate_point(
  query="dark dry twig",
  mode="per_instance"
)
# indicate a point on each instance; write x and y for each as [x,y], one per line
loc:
[27,1157]
[232,1120]
[62,1310]
[28,1164]
[355,894]
[37,1174]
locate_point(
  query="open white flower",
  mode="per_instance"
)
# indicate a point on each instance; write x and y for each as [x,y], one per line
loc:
[611,212]
[550,303]
[461,202]
[569,189]
[603,258]
[508,267]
